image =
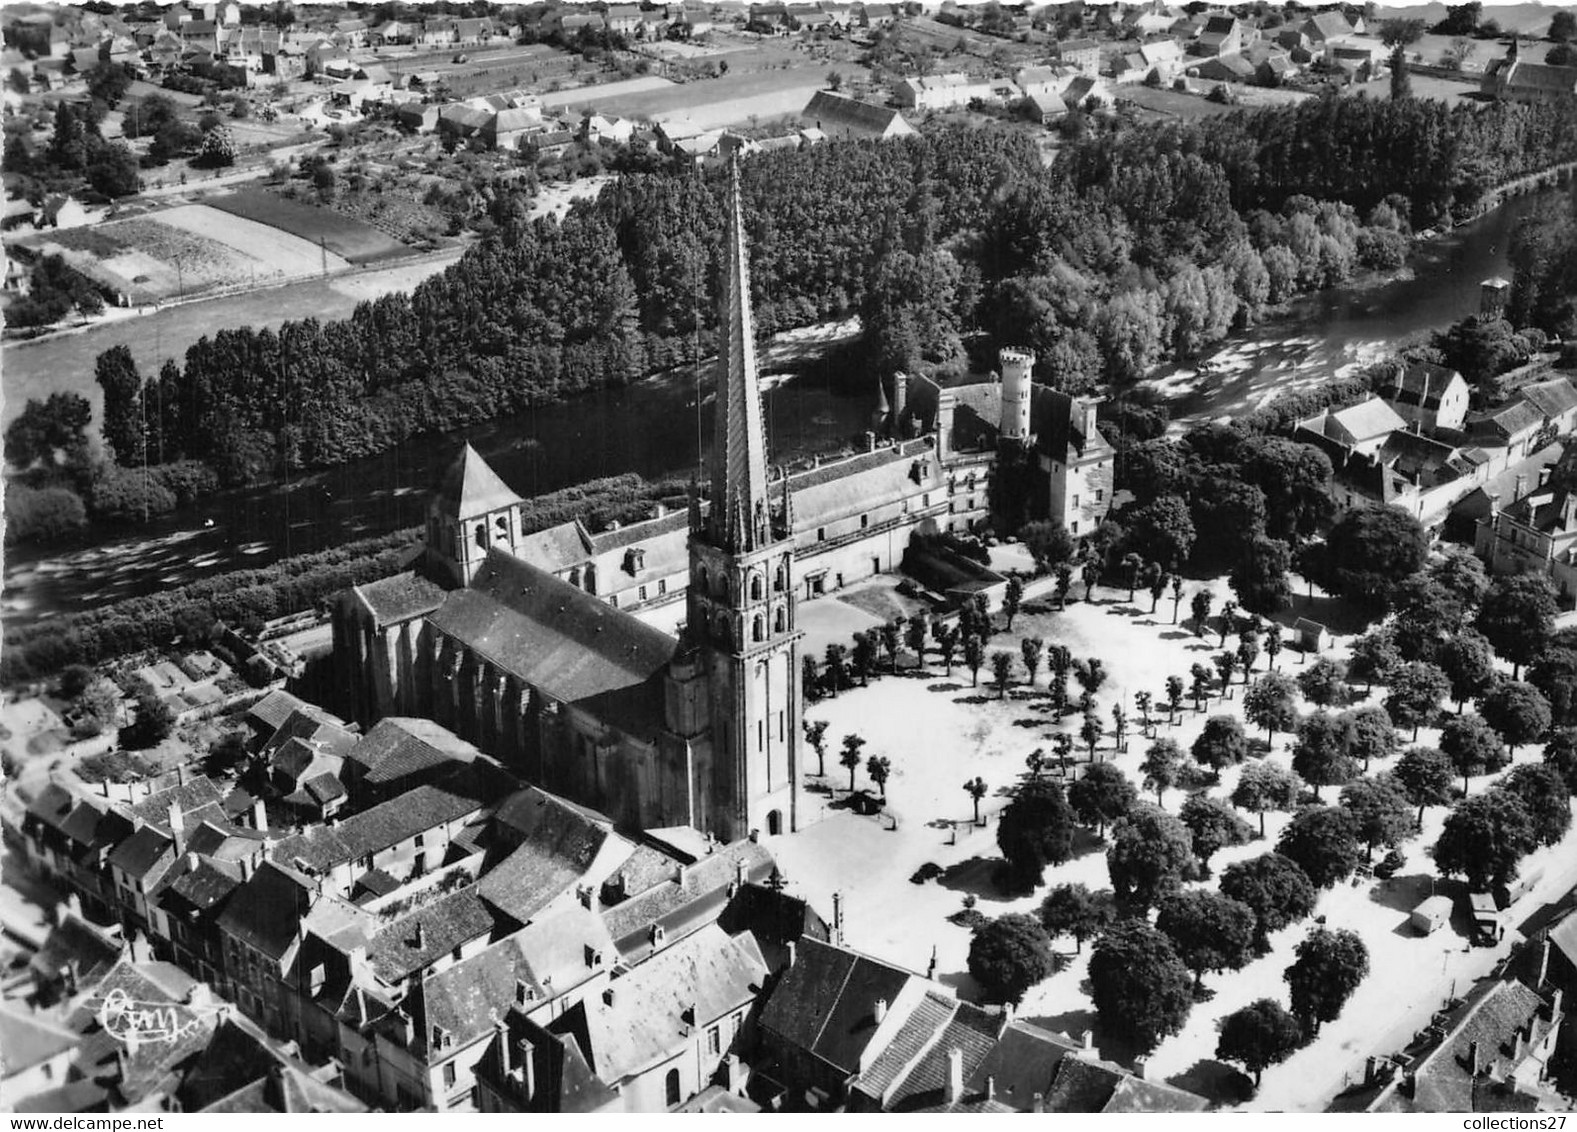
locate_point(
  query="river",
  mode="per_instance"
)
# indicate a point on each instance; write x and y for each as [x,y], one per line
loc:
[654,428]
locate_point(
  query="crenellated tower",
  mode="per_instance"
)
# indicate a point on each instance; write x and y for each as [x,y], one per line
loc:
[740,611]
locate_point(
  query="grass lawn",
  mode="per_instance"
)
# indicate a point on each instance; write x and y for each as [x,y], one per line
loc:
[940,731]
[1172,103]
[1449,91]
[357,242]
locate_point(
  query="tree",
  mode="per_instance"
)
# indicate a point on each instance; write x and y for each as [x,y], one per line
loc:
[1091,731]
[1472,746]
[1221,743]
[1544,796]
[1560,755]
[1381,808]
[976,789]
[1049,543]
[851,756]
[1035,830]
[1248,651]
[1324,683]
[1415,694]
[1151,854]
[837,667]
[914,638]
[1485,838]
[1270,703]
[1001,672]
[1119,727]
[816,736]
[1214,826]
[1144,701]
[1260,577]
[974,657]
[1201,611]
[1323,841]
[1274,888]
[866,649]
[1227,623]
[1174,697]
[810,676]
[45,429]
[1013,598]
[891,635]
[1273,644]
[1554,673]
[1469,664]
[1090,576]
[1516,617]
[116,373]
[1518,711]
[1370,550]
[74,680]
[1009,955]
[1064,584]
[217,149]
[1141,989]
[1177,595]
[1031,648]
[1090,674]
[1265,786]
[947,647]
[879,767]
[1199,685]
[1425,776]
[1161,530]
[1563,26]
[1372,736]
[1260,1035]
[1102,794]
[1328,967]
[1161,761]
[1226,663]
[1374,658]
[1211,932]
[1072,909]
[150,726]
[1157,584]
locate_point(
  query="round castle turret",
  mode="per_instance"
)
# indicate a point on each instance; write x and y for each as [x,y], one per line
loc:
[1018,367]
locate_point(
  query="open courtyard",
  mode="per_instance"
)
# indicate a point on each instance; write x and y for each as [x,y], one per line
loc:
[940,730]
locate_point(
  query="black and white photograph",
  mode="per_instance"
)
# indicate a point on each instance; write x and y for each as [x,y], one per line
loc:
[817,557]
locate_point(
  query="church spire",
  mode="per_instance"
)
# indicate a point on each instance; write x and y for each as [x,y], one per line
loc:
[739,516]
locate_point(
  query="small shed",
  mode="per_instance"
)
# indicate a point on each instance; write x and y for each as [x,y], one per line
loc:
[1432,914]
[1311,635]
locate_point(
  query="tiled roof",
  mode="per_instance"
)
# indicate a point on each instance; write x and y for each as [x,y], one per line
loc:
[287,1088]
[552,635]
[150,1067]
[549,957]
[642,1017]
[204,886]
[29,1041]
[400,746]
[823,1003]
[556,548]
[837,111]
[1552,398]
[75,940]
[1422,383]
[1134,1094]
[559,843]
[1507,421]
[471,488]
[1367,419]
[1079,1085]
[383,826]
[410,943]
[142,852]
[1541,77]
[1021,1063]
[1444,1080]
[972,1031]
[402,596]
[925,1022]
[268,908]
[679,905]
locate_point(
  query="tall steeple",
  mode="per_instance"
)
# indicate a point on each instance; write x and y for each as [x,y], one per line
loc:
[739,514]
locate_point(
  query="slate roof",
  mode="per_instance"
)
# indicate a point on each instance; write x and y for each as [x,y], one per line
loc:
[922,1027]
[152,1066]
[1021,1063]
[1552,398]
[556,637]
[693,982]
[823,1003]
[1421,383]
[142,852]
[407,595]
[287,1088]
[75,940]
[680,906]
[29,1040]
[445,924]
[559,843]
[371,831]
[1367,419]
[270,712]
[399,746]
[556,548]
[470,487]
[550,957]
[837,112]
[204,886]
[1508,421]
[972,1031]
[195,797]
[1059,426]
[564,1082]
[268,909]
[1084,1085]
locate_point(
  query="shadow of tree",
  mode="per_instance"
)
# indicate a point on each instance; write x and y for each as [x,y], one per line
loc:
[978,877]
[1216,1081]
[975,699]
[1176,635]
[1071,1022]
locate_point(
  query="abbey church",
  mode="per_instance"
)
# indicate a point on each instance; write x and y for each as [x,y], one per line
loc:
[652,671]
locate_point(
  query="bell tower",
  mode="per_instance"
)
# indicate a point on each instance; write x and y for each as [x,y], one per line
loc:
[740,612]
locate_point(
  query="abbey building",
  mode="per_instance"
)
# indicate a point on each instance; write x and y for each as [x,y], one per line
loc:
[652,670]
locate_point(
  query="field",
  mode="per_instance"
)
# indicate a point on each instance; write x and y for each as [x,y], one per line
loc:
[733,99]
[348,238]
[186,251]
[1171,103]
[1448,91]
[940,731]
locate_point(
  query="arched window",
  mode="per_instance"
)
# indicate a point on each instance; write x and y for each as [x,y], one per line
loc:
[780,579]
[701,579]
[758,628]
[481,535]
[780,622]
[775,823]
[755,587]
[591,577]
[671,1095]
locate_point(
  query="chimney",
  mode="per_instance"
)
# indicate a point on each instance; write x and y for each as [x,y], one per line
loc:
[900,399]
[955,1076]
[991,1088]
[1089,408]
[177,829]
[755,837]
[71,906]
[607,996]
[837,919]
[1369,1066]
[741,874]
[658,510]
[734,1077]
[421,936]
[656,936]
[259,816]
[870,441]
[1039,1103]
[1519,1046]
[1472,1058]
[880,1011]
[523,992]
[1522,485]
[506,1052]
[407,1029]
[526,1062]
[1544,963]
[930,968]
[1557,996]
[1140,1067]
[201,995]
[1544,475]
[1087,1040]
[793,951]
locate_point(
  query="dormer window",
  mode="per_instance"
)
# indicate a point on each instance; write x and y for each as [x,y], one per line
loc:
[634,560]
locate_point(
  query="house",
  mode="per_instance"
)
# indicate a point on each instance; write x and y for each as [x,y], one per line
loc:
[1086,89]
[1221,35]
[878,15]
[942,92]
[473,32]
[528,1068]
[1536,531]
[401,753]
[1430,396]
[1556,402]
[1083,54]
[1516,80]
[839,116]
[1320,29]
[1361,428]
[1046,107]
[76,954]
[1518,426]
[38,1056]
[1223,69]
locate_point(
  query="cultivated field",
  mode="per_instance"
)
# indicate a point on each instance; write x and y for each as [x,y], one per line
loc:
[345,237]
[1448,91]
[939,731]
[186,251]
[733,99]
